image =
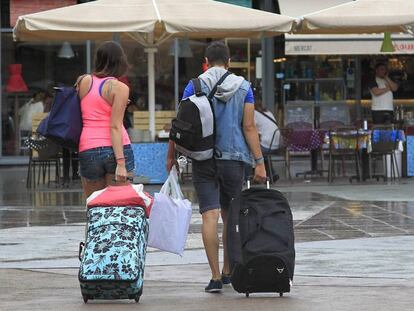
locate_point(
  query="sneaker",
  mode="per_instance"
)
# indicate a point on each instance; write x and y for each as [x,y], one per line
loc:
[214,286]
[226,279]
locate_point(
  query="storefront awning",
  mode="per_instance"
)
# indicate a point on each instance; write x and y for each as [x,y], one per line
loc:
[298,8]
[345,44]
[335,44]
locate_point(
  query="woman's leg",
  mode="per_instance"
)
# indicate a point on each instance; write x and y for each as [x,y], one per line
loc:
[90,186]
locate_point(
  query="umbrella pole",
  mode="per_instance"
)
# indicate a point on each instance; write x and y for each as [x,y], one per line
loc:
[151,90]
[88,57]
[176,73]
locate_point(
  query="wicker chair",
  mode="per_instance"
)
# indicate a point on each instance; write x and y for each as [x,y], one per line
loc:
[343,142]
[384,142]
[43,154]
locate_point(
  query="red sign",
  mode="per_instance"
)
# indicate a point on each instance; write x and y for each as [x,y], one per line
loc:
[22,7]
[404,46]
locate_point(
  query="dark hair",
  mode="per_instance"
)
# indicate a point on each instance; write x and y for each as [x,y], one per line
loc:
[258,104]
[217,53]
[110,60]
[380,65]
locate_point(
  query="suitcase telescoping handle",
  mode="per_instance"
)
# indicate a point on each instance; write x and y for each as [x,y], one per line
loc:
[251,178]
[81,246]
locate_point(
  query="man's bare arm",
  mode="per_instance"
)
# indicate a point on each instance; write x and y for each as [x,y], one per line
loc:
[392,85]
[379,91]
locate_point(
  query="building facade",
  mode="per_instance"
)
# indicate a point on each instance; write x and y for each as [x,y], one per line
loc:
[48,64]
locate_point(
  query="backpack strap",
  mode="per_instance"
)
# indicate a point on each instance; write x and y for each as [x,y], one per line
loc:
[261,112]
[220,81]
[197,87]
[216,153]
[79,80]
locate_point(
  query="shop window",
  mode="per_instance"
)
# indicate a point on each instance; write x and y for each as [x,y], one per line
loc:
[5,14]
[41,70]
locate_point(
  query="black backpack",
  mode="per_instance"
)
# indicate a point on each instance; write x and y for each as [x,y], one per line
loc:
[194,128]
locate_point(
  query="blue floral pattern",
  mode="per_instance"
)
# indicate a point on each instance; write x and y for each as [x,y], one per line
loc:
[114,255]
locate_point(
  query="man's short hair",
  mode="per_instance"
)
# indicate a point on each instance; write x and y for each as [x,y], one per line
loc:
[217,53]
[380,65]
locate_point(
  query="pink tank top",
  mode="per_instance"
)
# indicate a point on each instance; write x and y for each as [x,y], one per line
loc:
[96,115]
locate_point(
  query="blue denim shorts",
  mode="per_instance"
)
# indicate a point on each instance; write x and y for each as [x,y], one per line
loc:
[95,163]
[217,186]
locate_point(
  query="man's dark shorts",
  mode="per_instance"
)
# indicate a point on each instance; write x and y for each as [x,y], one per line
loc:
[217,186]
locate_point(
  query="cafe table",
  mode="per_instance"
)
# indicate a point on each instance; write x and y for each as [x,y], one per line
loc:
[305,140]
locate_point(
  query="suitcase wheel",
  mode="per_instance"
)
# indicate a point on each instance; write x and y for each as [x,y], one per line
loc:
[135,297]
[280,294]
[247,295]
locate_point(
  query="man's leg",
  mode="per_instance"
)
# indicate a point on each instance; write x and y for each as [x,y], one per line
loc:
[226,264]
[377,117]
[231,176]
[207,191]
[211,241]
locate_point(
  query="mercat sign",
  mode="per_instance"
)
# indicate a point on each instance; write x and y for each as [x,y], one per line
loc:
[246,3]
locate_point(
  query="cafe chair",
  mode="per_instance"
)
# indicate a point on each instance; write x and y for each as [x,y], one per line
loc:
[300,125]
[43,153]
[331,125]
[328,126]
[384,143]
[301,139]
[334,115]
[293,145]
[299,135]
[343,143]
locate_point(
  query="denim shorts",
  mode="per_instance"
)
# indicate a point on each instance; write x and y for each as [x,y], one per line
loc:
[216,187]
[95,163]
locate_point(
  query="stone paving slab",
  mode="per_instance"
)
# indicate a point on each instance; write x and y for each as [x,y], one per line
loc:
[373,257]
[38,291]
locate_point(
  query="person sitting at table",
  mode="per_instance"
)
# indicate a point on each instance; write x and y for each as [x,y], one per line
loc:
[28,110]
[381,88]
[268,130]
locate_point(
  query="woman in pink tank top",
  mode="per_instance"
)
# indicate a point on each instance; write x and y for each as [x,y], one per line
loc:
[105,153]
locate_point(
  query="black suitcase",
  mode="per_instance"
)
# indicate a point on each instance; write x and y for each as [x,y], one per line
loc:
[260,242]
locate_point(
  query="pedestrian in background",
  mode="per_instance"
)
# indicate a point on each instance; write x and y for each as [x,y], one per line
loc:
[381,88]
[269,132]
[28,110]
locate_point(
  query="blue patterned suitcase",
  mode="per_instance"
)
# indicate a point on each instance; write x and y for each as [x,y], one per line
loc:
[113,258]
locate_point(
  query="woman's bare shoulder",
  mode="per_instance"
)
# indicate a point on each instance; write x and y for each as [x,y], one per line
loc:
[83,78]
[119,86]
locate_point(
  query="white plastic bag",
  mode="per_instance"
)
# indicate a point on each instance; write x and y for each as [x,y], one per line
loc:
[170,217]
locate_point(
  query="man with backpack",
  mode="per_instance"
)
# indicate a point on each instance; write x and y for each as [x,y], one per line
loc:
[219,179]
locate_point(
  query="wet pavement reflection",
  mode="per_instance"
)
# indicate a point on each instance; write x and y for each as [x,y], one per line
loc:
[344,220]
[317,216]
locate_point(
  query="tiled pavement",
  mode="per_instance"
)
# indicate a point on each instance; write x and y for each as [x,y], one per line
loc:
[316,216]
[354,249]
